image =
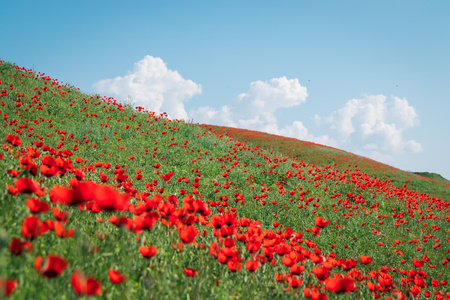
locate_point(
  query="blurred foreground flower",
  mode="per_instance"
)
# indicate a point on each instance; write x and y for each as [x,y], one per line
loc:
[85,285]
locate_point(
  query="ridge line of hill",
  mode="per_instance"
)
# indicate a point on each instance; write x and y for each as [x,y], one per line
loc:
[318,154]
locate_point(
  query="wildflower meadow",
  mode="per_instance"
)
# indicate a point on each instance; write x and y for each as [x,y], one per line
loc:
[101,199]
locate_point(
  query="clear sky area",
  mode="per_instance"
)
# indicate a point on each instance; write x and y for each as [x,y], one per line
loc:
[369,77]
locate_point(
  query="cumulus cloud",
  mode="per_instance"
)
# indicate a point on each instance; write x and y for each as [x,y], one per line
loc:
[372,125]
[256,108]
[152,85]
[375,124]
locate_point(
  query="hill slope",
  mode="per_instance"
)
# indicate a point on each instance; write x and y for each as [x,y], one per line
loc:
[434,176]
[423,182]
[102,199]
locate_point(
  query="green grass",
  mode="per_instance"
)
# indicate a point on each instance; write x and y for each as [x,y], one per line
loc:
[238,181]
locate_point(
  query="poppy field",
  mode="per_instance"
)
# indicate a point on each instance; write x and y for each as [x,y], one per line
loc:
[423,182]
[100,199]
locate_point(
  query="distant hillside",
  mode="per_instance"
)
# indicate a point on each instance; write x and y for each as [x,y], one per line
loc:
[312,153]
[434,176]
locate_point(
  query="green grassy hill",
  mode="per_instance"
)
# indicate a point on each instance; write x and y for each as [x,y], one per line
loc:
[100,199]
[423,182]
[434,176]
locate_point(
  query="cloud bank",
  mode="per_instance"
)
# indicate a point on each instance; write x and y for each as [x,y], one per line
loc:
[152,85]
[256,108]
[375,125]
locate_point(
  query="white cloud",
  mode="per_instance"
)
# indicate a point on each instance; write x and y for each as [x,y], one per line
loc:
[375,124]
[404,113]
[255,110]
[297,129]
[209,115]
[152,85]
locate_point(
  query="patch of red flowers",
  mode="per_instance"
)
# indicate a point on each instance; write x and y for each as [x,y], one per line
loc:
[148,251]
[190,272]
[26,185]
[7,286]
[116,277]
[105,197]
[52,266]
[85,285]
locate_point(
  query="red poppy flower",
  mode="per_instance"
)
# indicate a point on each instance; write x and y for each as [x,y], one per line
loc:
[321,272]
[386,281]
[8,286]
[374,287]
[103,177]
[282,249]
[366,260]
[188,234]
[85,285]
[48,171]
[280,277]
[37,206]
[81,192]
[190,272]
[418,263]
[295,282]
[150,219]
[62,194]
[202,208]
[61,231]
[12,172]
[32,227]
[28,163]
[105,197]
[27,186]
[415,290]
[116,277]
[320,222]
[49,166]
[315,231]
[419,281]
[252,265]
[108,198]
[53,267]
[297,269]
[339,285]
[234,265]
[435,283]
[290,259]
[316,295]
[59,214]
[253,245]
[13,140]
[347,264]
[16,246]
[149,251]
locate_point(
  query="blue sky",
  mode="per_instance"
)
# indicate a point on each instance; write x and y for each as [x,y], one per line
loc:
[369,77]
